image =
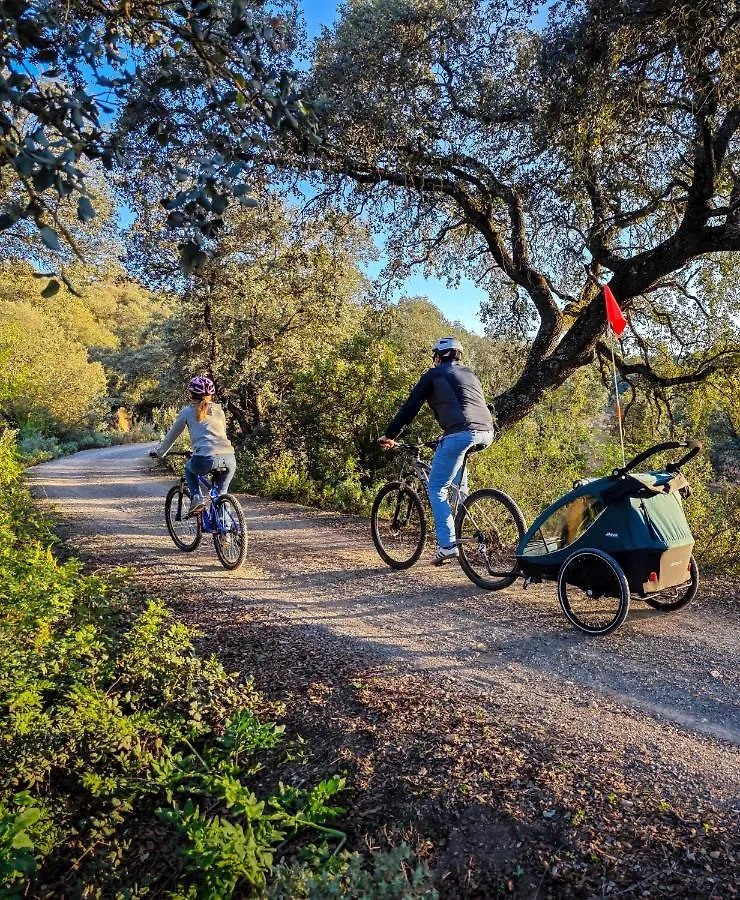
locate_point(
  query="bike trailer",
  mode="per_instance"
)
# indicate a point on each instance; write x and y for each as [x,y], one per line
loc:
[637,518]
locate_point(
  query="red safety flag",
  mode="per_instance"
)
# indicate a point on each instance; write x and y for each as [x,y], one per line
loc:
[613,313]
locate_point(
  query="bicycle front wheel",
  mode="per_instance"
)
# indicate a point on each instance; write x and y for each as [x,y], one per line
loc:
[398,525]
[489,527]
[185,532]
[230,536]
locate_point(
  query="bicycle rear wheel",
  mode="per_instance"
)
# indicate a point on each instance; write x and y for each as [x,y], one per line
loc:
[398,525]
[230,536]
[185,532]
[489,527]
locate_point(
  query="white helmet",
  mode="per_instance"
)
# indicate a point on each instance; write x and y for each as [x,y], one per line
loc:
[444,345]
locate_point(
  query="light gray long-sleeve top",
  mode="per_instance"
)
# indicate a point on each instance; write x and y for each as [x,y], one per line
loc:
[207,438]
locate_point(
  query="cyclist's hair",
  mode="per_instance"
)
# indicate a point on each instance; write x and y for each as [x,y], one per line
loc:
[201,405]
[448,355]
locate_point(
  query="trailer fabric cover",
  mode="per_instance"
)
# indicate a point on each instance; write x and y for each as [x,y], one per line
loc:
[665,517]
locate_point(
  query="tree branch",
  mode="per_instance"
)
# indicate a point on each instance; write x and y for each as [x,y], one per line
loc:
[706,369]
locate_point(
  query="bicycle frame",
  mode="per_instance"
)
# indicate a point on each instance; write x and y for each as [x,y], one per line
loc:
[209,521]
[416,476]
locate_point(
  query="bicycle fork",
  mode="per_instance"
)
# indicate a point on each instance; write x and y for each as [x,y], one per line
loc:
[397,522]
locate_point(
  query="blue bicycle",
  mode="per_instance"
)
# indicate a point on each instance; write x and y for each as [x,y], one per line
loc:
[222,517]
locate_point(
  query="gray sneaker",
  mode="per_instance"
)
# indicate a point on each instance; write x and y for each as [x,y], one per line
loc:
[196,505]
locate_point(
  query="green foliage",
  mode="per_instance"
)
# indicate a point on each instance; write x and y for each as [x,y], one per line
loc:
[53,350]
[16,846]
[36,447]
[561,440]
[46,377]
[281,291]
[115,732]
[713,511]
[80,54]
[391,876]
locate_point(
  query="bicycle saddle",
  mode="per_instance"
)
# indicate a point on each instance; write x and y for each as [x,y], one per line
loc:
[217,470]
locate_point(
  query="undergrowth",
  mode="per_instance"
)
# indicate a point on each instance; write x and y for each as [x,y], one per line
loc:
[131,766]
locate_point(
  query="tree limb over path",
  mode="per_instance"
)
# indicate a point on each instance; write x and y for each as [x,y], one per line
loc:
[609,140]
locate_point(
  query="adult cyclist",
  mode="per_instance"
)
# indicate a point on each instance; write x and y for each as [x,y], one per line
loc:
[206,424]
[456,398]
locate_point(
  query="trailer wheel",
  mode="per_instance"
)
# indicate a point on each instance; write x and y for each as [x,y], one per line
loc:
[676,598]
[593,591]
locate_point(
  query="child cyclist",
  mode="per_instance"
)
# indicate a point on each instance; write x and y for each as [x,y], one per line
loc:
[206,424]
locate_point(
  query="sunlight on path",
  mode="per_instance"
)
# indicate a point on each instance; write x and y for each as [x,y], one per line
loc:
[320,570]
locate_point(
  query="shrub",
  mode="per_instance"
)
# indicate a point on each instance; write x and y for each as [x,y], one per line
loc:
[92,440]
[391,876]
[284,476]
[115,730]
[713,511]
[139,433]
[118,738]
[36,448]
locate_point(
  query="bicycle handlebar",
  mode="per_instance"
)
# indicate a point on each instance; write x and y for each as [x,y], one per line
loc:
[415,448]
[693,445]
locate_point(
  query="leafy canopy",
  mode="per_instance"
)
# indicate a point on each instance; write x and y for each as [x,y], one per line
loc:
[603,147]
[74,75]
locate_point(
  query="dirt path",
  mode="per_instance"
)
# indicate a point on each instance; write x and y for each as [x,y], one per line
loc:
[666,686]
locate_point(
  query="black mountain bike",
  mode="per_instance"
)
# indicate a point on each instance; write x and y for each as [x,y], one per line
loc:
[488,523]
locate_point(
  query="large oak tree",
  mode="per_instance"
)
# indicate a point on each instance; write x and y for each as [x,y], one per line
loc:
[600,148]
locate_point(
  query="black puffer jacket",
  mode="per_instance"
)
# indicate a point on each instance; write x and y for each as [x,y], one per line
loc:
[455,396]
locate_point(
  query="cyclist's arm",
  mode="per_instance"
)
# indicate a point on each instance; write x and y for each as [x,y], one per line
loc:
[410,409]
[173,434]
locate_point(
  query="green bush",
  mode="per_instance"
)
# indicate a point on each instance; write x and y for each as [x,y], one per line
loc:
[117,738]
[713,511]
[284,476]
[35,446]
[391,876]
[113,724]
[139,433]
[93,440]
[38,448]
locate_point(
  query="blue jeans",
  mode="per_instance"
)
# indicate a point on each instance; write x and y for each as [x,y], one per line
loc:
[202,465]
[446,466]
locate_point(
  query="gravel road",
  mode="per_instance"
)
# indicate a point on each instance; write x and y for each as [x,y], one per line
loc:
[661,692]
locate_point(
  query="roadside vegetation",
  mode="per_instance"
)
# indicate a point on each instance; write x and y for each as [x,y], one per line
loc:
[131,765]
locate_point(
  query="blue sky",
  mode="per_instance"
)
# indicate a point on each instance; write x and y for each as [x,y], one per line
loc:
[458,304]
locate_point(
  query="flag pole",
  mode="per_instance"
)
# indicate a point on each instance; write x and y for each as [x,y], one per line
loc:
[619,407]
[617,322]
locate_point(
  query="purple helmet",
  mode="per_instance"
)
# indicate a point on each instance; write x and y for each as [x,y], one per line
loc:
[202,386]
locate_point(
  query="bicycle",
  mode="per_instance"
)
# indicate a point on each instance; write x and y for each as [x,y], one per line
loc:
[222,517]
[488,523]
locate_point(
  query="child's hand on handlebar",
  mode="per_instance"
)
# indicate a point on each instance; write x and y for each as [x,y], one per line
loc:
[386,443]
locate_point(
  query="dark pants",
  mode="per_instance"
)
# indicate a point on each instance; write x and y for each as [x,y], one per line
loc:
[202,465]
